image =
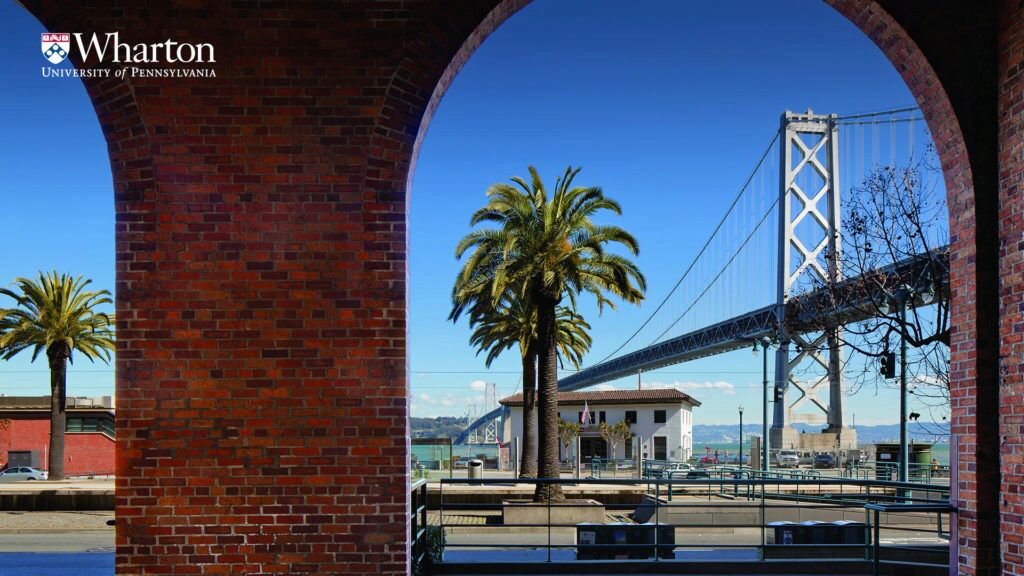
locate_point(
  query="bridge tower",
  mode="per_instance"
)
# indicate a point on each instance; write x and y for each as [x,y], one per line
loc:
[491,430]
[809,228]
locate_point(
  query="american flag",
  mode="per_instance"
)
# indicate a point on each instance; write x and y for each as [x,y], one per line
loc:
[585,417]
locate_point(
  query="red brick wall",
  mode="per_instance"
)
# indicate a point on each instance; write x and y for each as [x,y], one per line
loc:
[261,280]
[1011,292]
[261,276]
[972,260]
[85,452]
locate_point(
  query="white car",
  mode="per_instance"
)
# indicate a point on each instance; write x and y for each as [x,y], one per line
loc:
[18,473]
[787,459]
[676,470]
[683,471]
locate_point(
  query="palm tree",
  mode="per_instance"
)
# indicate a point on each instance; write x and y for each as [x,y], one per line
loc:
[56,314]
[545,250]
[511,323]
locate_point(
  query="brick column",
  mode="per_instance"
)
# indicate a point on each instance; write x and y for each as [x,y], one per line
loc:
[261,280]
[1011,289]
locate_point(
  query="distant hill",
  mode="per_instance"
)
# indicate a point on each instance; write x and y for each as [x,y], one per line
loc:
[865,434]
[440,427]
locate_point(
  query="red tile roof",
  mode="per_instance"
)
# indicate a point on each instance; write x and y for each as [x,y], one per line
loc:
[652,396]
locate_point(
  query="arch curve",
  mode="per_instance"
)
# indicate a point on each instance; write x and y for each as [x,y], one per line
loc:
[974,268]
[285,183]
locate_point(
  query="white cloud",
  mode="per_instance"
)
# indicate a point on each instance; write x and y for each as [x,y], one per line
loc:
[425,397]
[722,386]
[604,388]
[479,385]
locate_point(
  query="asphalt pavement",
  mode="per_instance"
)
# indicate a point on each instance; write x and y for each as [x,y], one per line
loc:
[56,544]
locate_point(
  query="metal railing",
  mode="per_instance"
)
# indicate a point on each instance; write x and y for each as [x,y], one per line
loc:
[418,524]
[876,549]
[90,476]
[882,470]
[768,518]
[661,469]
[612,467]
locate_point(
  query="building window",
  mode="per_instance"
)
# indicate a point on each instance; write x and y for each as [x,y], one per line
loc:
[629,449]
[660,448]
[81,424]
[659,416]
[630,416]
[602,418]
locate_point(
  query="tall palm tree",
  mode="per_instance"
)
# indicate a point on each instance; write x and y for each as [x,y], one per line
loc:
[513,322]
[548,249]
[56,314]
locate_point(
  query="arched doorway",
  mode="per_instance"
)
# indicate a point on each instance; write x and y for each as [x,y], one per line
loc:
[261,260]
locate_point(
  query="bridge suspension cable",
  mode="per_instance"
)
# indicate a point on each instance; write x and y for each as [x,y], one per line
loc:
[696,259]
[735,269]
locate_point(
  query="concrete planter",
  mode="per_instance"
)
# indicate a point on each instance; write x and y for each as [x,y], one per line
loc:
[565,512]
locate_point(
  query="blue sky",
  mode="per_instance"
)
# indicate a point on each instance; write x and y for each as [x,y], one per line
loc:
[666,108]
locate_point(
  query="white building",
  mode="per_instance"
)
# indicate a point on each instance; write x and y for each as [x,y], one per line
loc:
[661,420]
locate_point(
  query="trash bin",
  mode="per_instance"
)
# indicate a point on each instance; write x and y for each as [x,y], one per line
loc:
[848,532]
[621,541]
[783,532]
[921,460]
[476,468]
[810,532]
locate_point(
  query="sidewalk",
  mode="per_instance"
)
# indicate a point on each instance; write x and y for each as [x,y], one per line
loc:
[76,485]
[55,522]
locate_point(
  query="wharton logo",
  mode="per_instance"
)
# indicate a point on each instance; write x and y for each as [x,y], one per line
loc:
[55,46]
[108,47]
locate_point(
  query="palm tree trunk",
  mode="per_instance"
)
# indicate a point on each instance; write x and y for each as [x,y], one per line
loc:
[528,458]
[547,400]
[58,416]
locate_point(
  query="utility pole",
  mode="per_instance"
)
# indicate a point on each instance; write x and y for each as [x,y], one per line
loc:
[765,344]
[904,457]
[741,437]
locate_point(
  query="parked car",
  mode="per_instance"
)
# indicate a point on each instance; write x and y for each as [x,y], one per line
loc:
[682,470]
[462,462]
[676,470]
[787,459]
[19,473]
[709,460]
[824,461]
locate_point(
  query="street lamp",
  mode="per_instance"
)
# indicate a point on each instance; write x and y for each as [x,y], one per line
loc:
[741,437]
[903,294]
[765,343]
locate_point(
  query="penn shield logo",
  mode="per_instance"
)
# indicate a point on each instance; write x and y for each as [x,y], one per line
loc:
[55,46]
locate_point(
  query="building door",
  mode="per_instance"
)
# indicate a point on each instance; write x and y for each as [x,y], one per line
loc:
[661,448]
[591,446]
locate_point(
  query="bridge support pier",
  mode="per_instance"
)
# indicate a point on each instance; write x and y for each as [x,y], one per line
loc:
[825,441]
[809,251]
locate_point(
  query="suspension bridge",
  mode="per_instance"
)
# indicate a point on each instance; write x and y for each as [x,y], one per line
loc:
[771,269]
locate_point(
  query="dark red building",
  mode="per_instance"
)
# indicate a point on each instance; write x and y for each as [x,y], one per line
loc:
[89,442]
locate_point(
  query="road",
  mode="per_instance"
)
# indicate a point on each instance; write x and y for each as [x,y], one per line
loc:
[56,544]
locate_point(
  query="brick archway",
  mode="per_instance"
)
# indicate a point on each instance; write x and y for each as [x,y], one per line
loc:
[974,314]
[261,268]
